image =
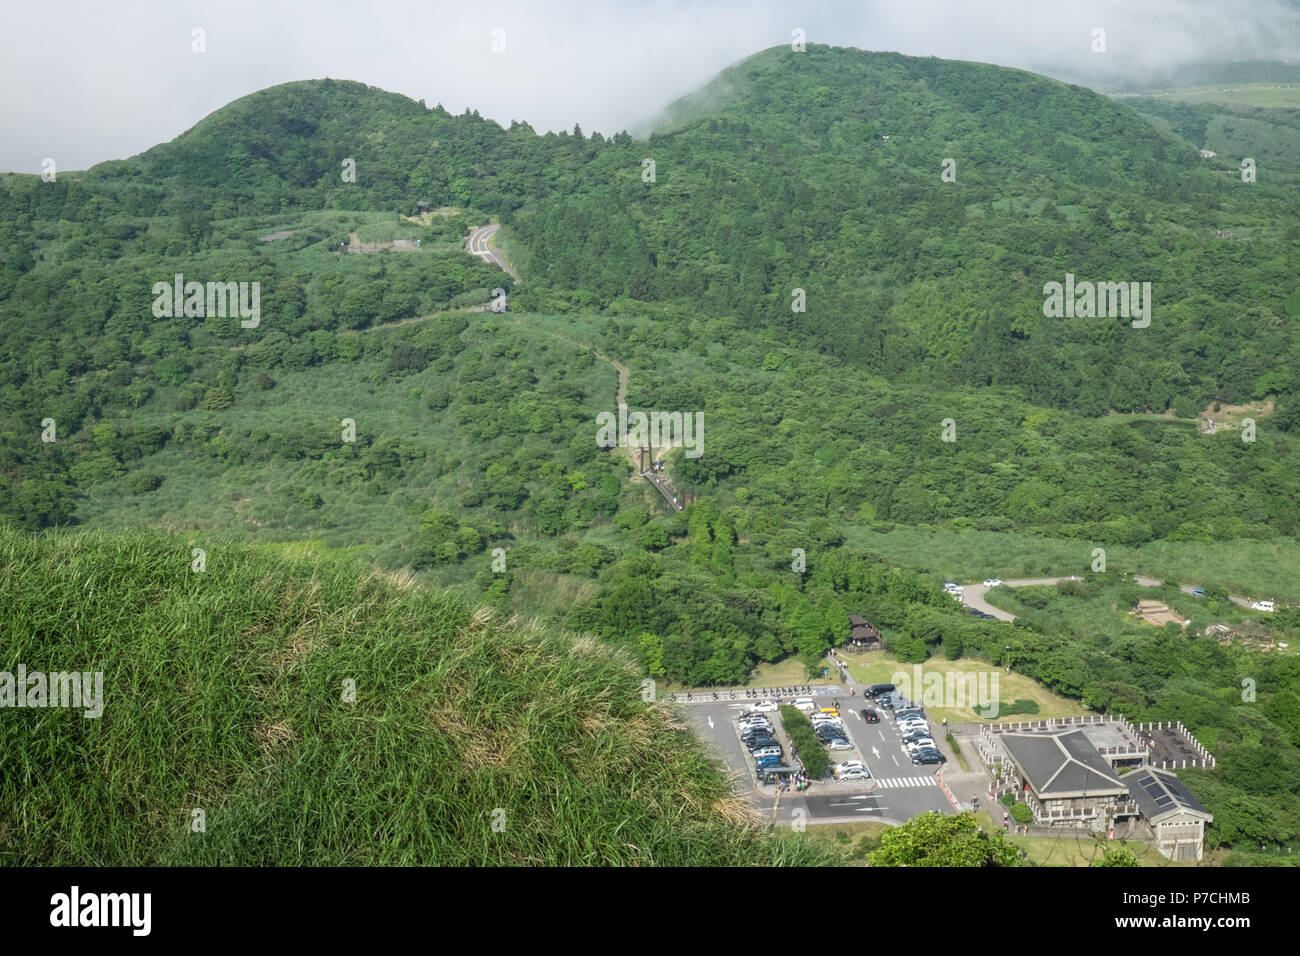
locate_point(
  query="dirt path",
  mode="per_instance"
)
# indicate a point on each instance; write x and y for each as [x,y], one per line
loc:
[620,395]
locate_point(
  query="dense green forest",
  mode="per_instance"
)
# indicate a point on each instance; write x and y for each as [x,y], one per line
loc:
[811,179]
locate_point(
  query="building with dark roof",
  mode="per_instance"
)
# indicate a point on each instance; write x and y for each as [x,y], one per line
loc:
[1176,817]
[1062,778]
[862,632]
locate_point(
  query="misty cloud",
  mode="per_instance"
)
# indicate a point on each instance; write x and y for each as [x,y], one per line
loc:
[106,81]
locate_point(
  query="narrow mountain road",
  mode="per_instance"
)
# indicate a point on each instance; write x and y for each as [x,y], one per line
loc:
[973,594]
[477,244]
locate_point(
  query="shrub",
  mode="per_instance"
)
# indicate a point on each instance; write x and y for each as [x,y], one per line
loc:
[800,731]
[142,482]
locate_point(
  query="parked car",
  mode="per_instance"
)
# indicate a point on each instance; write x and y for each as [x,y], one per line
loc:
[921,743]
[767,752]
[765,706]
[905,726]
[1263,606]
[928,757]
[839,743]
[992,582]
[870,716]
[767,762]
[761,743]
[849,765]
[849,776]
[875,690]
[761,723]
[827,733]
[1199,592]
[805,704]
[828,711]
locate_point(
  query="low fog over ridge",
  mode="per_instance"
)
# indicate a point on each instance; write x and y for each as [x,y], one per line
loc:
[135,79]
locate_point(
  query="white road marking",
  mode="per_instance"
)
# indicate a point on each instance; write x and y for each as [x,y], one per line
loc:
[710,720]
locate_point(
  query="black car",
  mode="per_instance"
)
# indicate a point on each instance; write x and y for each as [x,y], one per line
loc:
[876,690]
[827,734]
[757,743]
[928,756]
[870,716]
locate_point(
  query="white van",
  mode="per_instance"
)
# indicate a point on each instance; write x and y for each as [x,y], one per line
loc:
[805,704]
[1263,606]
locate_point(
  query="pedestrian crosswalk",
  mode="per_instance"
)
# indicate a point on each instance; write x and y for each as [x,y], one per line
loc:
[894,782]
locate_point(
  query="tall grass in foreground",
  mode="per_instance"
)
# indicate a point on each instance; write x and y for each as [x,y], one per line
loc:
[224,691]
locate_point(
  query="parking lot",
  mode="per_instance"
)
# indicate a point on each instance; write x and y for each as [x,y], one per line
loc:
[895,789]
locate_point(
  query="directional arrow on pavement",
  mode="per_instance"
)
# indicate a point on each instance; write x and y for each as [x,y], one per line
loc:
[710,720]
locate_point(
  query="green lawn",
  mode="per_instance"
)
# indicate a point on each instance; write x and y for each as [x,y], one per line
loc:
[880,667]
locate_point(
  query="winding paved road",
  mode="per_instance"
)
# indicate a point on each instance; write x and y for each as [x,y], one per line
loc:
[973,594]
[478,245]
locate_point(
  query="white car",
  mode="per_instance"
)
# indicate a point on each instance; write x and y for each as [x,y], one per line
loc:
[766,752]
[765,706]
[853,775]
[850,765]
[1263,606]
[805,704]
[924,743]
[992,583]
[839,743]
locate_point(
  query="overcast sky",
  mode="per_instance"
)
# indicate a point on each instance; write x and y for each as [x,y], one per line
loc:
[89,81]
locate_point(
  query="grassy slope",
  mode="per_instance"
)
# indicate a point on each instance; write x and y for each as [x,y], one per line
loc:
[1247,567]
[223,691]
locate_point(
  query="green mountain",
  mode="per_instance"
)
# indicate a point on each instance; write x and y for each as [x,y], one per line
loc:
[829,255]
